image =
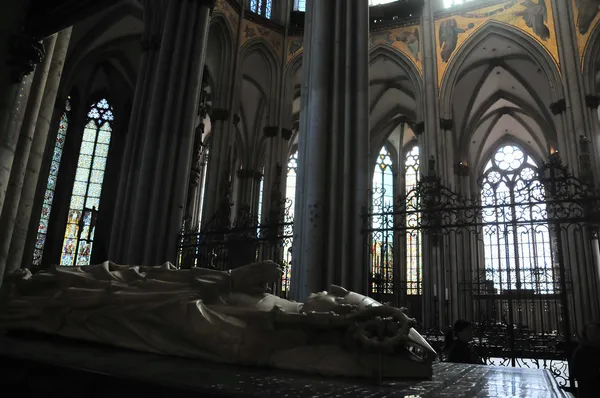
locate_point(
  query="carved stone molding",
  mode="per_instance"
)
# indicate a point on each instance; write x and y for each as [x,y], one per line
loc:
[24,53]
[558,107]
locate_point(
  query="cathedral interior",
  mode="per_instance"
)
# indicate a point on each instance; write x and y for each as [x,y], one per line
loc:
[440,155]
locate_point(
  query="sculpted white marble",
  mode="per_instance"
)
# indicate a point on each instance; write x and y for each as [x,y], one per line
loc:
[219,316]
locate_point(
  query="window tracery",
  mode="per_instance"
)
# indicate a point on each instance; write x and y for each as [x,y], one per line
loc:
[261,7]
[290,195]
[517,245]
[300,5]
[87,188]
[382,256]
[414,265]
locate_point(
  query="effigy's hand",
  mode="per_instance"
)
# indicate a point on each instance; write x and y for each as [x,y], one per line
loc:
[255,278]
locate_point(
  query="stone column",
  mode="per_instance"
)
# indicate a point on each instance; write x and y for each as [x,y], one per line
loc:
[219,170]
[157,193]
[21,155]
[247,191]
[579,129]
[21,249]
[433,147]
[150,44]
[19,54]
[577,117]
[333,178]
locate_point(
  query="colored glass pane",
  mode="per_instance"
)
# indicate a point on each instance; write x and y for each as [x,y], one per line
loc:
[382,259]
[77,202]
[414,266]
[517,246]
[51,184]
[87,188]
[290,195]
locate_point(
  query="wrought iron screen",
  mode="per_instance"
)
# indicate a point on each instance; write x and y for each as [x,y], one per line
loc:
[222,246]
[519,258]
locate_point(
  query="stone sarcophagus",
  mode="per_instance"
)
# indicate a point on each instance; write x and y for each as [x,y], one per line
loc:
[223,316]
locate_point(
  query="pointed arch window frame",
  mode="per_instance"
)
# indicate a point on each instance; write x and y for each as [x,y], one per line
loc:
[517,243]
[261,7]
[84,204]
[290,195]
[413,238]
[382,263]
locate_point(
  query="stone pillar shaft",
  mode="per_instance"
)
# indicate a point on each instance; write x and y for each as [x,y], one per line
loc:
[21,155]
[13,93]
[333,177]
[137,128]
[219,168]
[432,144]
[21,247]
[155,202]
[577,120]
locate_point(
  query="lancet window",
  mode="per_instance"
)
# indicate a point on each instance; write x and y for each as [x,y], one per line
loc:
[290,196]
[261,7]
[59,145]
[414,264]
[300,5]
[382,256]
[517,246]
[87,188]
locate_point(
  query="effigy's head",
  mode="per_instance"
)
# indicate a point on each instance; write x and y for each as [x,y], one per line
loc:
[377,327]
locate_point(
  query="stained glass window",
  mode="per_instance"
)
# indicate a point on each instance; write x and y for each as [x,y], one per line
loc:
[261,7]
[51,184]
[414,266]
[517,246]
[382,258]
[290,196]
[85,197]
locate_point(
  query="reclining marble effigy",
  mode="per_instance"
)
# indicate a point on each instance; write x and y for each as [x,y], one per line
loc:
[223,316]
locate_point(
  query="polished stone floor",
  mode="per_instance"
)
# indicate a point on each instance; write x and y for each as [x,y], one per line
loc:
[182,377]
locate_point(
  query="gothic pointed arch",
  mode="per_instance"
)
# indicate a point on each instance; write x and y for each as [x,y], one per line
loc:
[395,94]
[393,74]
[87,189]
[591,64]
[219,58]
[506,32]
[259,74]
[517,243]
